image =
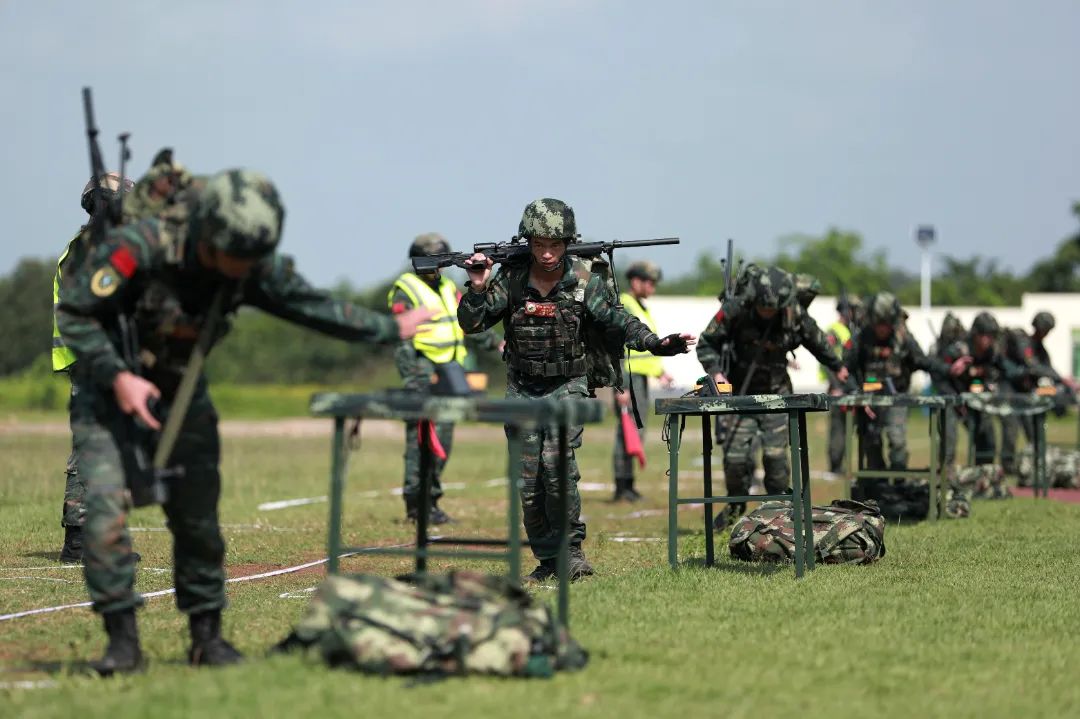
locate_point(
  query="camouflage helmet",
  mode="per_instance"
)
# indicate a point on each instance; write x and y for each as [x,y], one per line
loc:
[550,218]
[109,182]
[239,213]
[985,324]
[429,243]
[884,307]
[1043,322]
[772,288]
[644,270]
[952,328]
[850,303]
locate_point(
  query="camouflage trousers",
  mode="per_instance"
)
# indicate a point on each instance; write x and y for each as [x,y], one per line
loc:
[622,463]
[73,513]
[445,432]
[980,428]
[889,424]
[540,471]
[837,439]
[1011,426]
[104,443]
[739,457]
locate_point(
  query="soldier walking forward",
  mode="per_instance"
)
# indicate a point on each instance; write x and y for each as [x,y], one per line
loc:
[145,291]
[547,305]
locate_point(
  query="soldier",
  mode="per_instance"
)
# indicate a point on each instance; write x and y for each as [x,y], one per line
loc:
[437,341]
[73,512]
[838,335]
[985,373]
[1029,353]
[952,341]
[885,350]
[548,305]
[763,323]
[145,291]
[642,278]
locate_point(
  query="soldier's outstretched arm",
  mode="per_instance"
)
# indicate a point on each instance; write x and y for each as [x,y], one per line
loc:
[278,289]
[97,289]
[486,302]
[937,369]
[636,334]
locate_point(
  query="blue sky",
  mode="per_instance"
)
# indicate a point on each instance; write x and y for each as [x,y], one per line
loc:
[383,119]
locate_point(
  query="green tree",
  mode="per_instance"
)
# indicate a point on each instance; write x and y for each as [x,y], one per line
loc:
[26,320]
[1061,271]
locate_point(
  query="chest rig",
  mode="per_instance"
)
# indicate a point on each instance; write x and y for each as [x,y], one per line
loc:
[545,335]
[886,360]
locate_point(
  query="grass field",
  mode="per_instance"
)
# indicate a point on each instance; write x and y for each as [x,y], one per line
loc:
[976,617]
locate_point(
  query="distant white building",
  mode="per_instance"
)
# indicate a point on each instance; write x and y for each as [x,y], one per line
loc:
[692,314]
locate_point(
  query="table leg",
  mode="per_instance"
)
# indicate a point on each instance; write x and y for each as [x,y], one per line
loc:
[1042,477]
[673,490]
[337,489]
[564,539]
[796,493]
[849,451]
[937,496]
[423,505]
[706,452]
[513,512]
[807,505]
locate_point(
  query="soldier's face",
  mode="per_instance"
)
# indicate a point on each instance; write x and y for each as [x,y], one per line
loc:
[882,330]
[1039,335]
[982,343]
[642,288]
[235,268]
[765,313]
[546,252]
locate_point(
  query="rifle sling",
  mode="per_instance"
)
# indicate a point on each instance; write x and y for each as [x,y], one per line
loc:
[188,382]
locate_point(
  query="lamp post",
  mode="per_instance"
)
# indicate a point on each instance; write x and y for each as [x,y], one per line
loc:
[924,237]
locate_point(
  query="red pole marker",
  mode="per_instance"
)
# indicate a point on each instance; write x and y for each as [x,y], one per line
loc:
[426,425]
[631,440]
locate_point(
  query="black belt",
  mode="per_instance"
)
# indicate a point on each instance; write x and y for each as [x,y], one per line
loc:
[575,367]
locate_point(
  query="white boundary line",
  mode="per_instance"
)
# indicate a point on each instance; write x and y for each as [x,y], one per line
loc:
[232,580]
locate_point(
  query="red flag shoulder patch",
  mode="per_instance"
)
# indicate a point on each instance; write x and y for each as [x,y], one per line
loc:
[397,308]
[124,262]
[719,315]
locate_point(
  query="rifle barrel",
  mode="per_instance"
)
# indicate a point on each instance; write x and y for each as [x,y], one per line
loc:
[646,243]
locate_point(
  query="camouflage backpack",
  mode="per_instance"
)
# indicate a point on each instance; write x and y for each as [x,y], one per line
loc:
[845,532]
[983,481]
[903,499]
[1062,467]
[458,623]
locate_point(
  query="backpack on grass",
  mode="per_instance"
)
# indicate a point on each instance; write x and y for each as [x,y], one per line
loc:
[453,624]
[845,532]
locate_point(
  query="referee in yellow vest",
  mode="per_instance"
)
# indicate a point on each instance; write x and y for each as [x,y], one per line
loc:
[439,340]
[641,279]
[73,513]
[839,337]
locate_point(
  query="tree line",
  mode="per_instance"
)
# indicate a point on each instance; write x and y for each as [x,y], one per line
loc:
[288,354]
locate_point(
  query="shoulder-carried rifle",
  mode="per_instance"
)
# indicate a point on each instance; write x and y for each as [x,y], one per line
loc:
[517,249]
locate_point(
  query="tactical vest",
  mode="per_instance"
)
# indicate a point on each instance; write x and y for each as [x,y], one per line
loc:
[441,338]
[643,363]
[62,356]
[885,360]
[545,339]
[843,336]
[765,348]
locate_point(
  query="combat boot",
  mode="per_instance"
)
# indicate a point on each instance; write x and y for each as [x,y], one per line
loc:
[621,493]
[437,516]
[543,572]
[71,552]
[728,515]
[123,655]
[577,566]
[632,494]
[208,648]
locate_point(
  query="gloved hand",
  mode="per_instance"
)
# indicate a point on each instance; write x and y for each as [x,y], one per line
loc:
[674,344]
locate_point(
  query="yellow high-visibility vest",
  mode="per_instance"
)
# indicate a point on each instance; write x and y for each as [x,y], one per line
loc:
[441,338]
[645,364]
[62,356]
[843,336]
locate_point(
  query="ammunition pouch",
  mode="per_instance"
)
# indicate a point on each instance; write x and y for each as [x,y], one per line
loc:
[575,367]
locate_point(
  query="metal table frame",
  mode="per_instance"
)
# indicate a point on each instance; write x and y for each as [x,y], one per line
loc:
[1019,405]
[941,419]
[516,414]
[795,407]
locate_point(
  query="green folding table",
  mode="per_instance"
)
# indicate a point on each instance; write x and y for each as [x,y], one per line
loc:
[795,407]
[941,419]
[516,414]
[1016,405]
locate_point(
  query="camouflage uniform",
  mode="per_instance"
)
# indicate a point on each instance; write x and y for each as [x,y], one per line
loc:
[890,361]
[416,370]
[951,345]
[546,357]
[153,274]
[73,512]
[988,369]
[839,336]
[760,366]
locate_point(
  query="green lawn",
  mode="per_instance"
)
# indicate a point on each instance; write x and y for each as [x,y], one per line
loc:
[975,617]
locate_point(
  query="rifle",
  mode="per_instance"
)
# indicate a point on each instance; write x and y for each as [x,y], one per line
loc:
[517,250]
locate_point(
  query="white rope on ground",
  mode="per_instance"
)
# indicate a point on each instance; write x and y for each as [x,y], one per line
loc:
[284,503]
[172,590]
[26,684]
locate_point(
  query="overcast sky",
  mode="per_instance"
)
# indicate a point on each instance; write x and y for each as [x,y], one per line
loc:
[386,118]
